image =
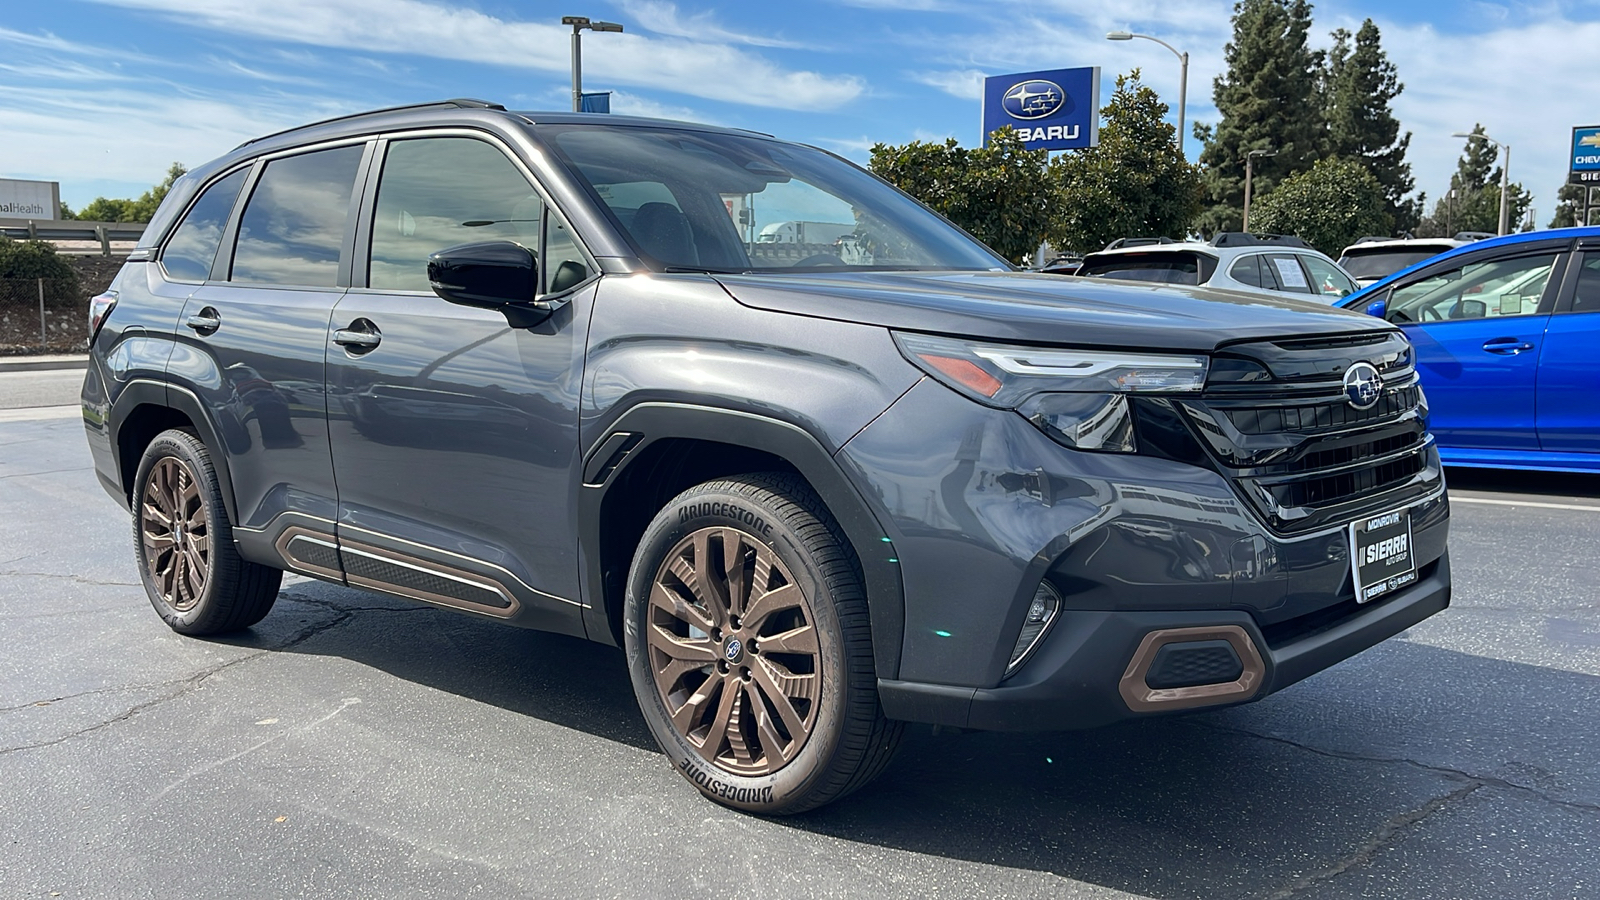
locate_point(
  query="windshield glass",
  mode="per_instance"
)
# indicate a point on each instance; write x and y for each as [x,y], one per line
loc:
[1370,265]
[729,203]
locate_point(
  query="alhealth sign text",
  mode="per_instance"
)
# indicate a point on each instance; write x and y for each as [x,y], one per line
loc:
[1054,110]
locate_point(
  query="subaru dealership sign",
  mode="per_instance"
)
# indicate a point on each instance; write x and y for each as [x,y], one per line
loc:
[1586,155]
[1054,110]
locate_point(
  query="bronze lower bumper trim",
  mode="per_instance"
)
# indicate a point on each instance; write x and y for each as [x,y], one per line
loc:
[1141,697]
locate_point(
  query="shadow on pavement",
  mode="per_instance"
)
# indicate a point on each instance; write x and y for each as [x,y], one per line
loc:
[1565,484]
[1232,803]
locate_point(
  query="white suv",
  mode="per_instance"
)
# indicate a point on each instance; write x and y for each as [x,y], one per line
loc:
[1266,264]
[1372,259]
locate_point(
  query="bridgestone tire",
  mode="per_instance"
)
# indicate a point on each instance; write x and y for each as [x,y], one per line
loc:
[777,524]
[233,594]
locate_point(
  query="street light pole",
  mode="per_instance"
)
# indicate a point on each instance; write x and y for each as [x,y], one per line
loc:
[1505,176]
[1183,76]
[1249,175]
[579,23]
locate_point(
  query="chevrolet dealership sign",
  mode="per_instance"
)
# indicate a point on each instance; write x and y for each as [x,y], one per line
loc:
[1057,109]
[30,199]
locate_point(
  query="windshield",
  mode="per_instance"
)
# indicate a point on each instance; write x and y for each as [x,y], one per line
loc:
[728,203]
[1370,265]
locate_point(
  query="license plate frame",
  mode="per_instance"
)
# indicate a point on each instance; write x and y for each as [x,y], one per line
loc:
[1382,554]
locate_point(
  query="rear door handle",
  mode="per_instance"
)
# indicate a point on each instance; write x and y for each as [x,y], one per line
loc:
[205,322]
[361,336]
[1506,346]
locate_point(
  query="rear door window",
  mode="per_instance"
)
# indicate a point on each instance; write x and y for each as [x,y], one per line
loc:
[1587,297]
[293,226]
[193,247]
[1285,269]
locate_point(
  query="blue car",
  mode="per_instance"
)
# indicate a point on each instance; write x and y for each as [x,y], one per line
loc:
[1507,335]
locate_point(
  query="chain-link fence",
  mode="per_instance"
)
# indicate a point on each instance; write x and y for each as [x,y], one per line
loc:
[42,315]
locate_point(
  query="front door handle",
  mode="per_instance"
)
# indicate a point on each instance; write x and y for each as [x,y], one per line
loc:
[204,322]
[362,335]
[1506,346]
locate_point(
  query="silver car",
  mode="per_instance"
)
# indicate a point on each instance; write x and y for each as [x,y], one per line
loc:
[1266,264]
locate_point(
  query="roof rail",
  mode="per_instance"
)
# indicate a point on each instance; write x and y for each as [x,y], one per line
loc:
[1371,238]
[1241,239]
[1138,242]
[1474,235]
[458,103]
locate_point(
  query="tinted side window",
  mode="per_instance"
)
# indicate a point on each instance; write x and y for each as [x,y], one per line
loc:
[1486,289]
[293,225]
[440,192]
[1587,298]
[193,247]
[1247,270]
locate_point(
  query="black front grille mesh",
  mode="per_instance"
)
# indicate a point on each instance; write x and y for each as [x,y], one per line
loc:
[1316,417]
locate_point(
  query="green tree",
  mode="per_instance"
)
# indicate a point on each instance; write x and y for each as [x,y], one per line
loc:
[1569,206]
[1361,83]
[1000,193]
[1475,202]
[1269,100]
[1135,183]
[142,209]
[1329,206]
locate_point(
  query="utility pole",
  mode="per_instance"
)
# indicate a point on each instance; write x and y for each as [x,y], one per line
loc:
[579,23]
[1249,175]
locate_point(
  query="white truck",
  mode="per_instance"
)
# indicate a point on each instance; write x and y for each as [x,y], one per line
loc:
[793,232]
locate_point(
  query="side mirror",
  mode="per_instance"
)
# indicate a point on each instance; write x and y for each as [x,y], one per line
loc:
[1378,308]
[1471,309]
[500,275]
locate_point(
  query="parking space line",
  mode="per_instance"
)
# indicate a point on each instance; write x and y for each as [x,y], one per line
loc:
[1454,498]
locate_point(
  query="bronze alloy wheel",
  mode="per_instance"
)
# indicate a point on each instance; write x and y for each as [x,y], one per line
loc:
[733,650]
[176,533]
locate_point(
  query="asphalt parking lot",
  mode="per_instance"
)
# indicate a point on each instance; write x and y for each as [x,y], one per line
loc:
[354,745]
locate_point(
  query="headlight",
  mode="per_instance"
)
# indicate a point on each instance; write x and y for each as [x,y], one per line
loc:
[1078,397]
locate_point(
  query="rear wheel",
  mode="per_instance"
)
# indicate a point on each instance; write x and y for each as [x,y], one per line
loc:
[749,647]
[183,538]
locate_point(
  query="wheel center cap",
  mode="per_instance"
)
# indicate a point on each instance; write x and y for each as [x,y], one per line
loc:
[734,651]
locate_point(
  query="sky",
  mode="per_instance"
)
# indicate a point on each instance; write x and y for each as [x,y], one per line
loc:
[103,95]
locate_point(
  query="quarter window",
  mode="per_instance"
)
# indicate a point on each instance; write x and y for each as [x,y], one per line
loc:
[1247,270]
[564,264]
[1489,289]
[294,223]
[193,247]
[441,192]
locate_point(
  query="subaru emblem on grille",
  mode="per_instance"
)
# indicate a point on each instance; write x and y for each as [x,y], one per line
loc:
[1362,385]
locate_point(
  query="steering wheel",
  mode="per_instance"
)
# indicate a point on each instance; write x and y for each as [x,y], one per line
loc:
[819,259]
[1429,314]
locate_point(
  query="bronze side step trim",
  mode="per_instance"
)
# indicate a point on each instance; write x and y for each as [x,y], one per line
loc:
[1141,697]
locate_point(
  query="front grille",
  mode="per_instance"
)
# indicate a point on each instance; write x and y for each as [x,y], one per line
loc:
[1299,452]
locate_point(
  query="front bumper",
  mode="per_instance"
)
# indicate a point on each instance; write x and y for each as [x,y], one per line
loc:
[1073,682]
[979,506]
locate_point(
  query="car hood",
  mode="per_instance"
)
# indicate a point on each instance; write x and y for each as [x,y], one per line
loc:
[1032,308]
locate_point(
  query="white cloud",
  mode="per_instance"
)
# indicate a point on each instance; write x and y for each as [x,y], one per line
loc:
[663,18]
[966,84]
[698,68]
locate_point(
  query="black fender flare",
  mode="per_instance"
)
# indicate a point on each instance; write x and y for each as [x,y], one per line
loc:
[656,421]
[149,392]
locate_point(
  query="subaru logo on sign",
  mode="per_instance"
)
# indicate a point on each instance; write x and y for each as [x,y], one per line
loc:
[1051,109]
[1362,385]
[1033,99]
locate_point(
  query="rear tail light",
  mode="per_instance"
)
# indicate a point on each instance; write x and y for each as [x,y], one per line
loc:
[100,306]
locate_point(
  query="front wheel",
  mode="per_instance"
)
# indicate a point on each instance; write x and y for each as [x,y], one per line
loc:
[194,577]
[749,647]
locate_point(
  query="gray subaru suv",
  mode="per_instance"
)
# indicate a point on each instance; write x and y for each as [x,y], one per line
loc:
[539,368]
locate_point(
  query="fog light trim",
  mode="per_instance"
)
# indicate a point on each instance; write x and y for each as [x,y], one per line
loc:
[1042,613]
